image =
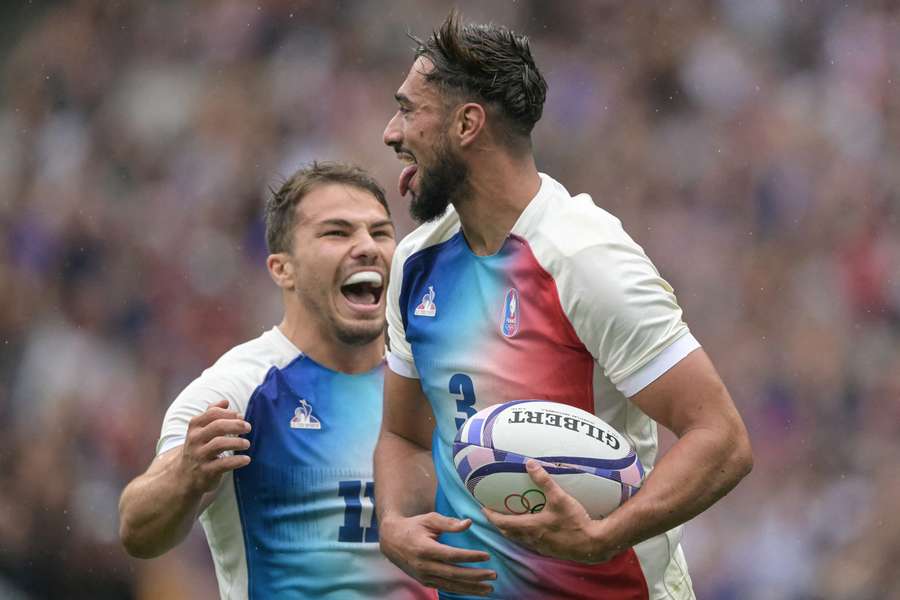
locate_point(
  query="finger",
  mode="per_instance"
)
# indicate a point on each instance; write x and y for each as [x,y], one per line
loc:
[439,522]
[448,554]
[226,463]
[213,412]
[541,477]
[218,445]
[222,427]
[458,587]
[511,523]
[454,572]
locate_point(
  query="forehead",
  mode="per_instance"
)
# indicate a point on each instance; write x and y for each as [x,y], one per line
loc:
[415,86]
[337,201]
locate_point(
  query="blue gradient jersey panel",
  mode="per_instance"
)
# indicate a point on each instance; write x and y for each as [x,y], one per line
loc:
[569,309]
[298,521]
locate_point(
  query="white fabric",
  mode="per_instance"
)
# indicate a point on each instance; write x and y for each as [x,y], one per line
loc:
[402,367]
[665,360]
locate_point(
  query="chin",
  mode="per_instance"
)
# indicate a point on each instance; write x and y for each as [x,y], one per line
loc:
[360,334]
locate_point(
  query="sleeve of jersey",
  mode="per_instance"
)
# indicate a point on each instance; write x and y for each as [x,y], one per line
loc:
[399,356]
[194,400]
[626,314]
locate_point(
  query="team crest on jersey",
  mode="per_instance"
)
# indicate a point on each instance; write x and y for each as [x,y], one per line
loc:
[427,307]
[511,313]
[303,417]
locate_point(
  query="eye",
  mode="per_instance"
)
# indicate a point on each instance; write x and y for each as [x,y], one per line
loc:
[403,110]
[335,233]
[383,233]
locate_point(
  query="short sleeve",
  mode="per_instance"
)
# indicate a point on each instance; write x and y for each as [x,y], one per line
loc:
[399,358]
[625,313]
[194,400]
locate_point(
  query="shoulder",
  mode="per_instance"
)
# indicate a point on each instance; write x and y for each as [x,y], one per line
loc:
[427,235]
[244,367]
[233,377]
[572,232]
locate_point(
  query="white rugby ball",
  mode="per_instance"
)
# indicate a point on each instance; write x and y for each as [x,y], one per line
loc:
[589,459]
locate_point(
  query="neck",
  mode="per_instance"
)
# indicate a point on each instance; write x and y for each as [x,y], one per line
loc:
[326,349]
[501,188]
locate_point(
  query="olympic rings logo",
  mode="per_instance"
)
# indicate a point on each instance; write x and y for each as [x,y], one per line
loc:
[529,501]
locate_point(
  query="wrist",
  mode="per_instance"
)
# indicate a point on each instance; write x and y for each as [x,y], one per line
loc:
[388,517]
[604,543]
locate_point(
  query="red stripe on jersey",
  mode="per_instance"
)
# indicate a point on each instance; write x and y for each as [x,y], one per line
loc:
[547,354]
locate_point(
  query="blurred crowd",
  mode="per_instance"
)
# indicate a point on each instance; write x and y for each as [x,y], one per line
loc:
[752,148]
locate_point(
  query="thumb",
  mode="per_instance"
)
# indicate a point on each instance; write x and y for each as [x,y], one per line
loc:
[441,523]
[541,477]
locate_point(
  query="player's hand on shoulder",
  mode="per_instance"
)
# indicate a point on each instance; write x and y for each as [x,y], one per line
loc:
[563,529]
[209,435]
[411,544]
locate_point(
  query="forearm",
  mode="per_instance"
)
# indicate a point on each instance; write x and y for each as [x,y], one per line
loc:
[404,477]
[156,512]
[701,468]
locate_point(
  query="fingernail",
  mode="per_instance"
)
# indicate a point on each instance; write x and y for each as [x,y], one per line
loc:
[246,426]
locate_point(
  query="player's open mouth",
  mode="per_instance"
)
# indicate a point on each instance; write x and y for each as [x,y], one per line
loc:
[408,172]
[363,288]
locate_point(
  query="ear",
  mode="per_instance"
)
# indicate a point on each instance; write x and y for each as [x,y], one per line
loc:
[470,122]
[281,270]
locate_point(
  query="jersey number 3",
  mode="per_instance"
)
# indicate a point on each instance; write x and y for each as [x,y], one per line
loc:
[461,385]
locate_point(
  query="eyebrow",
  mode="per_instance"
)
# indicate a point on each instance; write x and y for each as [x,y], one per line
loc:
[402,98]
[347,224]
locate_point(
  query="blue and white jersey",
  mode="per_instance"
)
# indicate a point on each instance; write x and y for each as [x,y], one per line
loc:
[298,521]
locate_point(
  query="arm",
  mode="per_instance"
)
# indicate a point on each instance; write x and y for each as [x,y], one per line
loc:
[158,508]
[404,490]
[710,457]
[404,472]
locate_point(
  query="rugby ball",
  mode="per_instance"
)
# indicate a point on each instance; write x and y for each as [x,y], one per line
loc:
[589,459]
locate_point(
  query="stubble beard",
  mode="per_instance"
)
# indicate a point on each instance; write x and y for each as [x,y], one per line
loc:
[359,334]
[445,183]
[331,324]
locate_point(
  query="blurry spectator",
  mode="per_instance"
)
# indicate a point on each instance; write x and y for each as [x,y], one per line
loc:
[751,147]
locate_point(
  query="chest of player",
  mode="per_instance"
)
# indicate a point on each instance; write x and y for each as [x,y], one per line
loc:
[485,330]
[308,416]
[311,444]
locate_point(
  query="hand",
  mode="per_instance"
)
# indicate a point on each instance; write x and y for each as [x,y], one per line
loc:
[563,529]
[411,544]
[208,436]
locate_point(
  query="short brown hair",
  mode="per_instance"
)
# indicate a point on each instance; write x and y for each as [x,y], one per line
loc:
[488,63]
[281,206]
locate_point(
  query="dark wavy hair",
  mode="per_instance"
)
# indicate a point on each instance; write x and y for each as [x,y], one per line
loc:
[280,210]
[488,64]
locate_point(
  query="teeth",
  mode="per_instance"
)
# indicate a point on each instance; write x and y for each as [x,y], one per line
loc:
[408,159]
[372,277]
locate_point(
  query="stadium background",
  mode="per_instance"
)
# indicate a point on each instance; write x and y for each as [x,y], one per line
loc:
[750,147]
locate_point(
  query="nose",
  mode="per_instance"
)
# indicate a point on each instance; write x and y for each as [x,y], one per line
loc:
[392,135]
[364,246]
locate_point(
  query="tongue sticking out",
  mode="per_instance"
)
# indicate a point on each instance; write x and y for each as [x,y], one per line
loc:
[406,176]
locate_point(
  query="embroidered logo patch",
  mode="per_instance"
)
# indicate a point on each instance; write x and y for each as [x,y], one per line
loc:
[303,417]
[511,316]
[427,307]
